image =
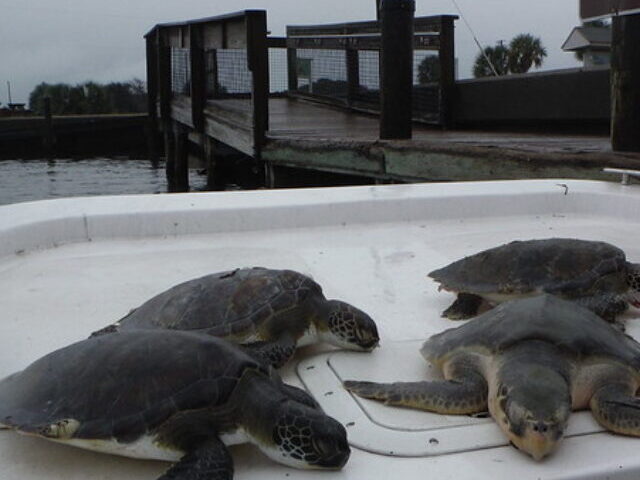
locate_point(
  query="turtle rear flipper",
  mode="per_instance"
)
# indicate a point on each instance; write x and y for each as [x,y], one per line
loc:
[465,306]
[617,409]
[465,392]
[208,461]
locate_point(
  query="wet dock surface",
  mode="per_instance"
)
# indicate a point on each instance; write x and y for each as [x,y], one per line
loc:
[330,138]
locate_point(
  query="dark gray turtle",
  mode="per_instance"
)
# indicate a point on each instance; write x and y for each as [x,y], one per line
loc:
[530,362]
[273,311]
[594,274]
[173,396]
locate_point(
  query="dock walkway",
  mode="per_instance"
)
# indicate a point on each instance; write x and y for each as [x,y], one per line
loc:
[314,136]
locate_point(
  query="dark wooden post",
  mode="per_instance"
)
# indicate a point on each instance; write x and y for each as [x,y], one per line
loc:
[164,93]
[153,129]
[170,158]
[210,155]
[292,69]
[198,77]
[164,76]
[396,68]
[181,166]
[353,75]
[215,86]
[625,84]
[447,59]
[48,139]
[258,63]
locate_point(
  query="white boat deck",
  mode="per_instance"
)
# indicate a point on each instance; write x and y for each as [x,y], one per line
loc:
[68,267]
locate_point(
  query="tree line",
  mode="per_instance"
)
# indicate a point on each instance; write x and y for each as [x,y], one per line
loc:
[518,56]
[90,98]
[523,52]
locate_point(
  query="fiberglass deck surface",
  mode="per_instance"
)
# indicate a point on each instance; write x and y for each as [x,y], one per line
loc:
[378,261]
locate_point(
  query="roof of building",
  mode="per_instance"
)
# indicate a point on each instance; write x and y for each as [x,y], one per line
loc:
[582,38]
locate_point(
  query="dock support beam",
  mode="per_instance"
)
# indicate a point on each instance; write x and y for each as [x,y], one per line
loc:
[210,154]
[181,166]
[152,99]
[625,84]
[447,73]
[170,157]
[396,68]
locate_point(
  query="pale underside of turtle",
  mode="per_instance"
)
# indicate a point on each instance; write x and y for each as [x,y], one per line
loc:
[172,396]
[271,311]
[594,274]
[529,362]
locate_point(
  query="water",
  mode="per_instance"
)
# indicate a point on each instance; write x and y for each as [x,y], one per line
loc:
[27,180]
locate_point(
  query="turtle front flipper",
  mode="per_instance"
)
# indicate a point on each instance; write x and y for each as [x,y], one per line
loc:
[275,353]
[464,307]
[463,395]
[208,461]
[617,409]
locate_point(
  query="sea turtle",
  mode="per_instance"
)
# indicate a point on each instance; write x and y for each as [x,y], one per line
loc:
[175,396]
[530,362]
[272,311]
[593,274]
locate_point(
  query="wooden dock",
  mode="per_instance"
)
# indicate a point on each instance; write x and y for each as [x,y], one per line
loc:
[336,108]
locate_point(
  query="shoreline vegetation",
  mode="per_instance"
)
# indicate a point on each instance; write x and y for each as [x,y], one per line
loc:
[90,98]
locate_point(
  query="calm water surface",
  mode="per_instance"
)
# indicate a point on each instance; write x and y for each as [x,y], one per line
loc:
[27,180]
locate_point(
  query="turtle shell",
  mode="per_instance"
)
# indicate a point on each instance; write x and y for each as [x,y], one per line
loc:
[122,385]
[229,303]
[573,329]
[562,266]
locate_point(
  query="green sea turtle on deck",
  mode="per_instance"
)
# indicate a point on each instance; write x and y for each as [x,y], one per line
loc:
[173,396]
[530,362]
[272,311]
[593,274]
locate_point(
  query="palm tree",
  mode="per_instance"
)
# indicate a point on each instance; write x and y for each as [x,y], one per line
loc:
[525,50]
[499,57]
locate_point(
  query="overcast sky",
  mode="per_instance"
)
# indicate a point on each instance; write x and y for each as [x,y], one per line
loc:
[77,40]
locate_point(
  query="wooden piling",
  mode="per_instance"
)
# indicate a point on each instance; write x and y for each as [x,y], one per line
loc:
[447,59]
[170,158]
[181,165]
[396,68]
[48,139]
[209,148]
[625,84]
[198,77]
[152,99]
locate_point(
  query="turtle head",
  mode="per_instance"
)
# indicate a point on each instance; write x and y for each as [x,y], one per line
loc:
[302,437]
[345,326]
[534,414]
[633,280]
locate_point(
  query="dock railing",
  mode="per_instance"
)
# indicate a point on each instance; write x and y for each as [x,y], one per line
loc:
[211,75]
[209,79]
[339,64]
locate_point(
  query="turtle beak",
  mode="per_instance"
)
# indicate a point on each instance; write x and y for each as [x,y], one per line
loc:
[539,441]
[369,345]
